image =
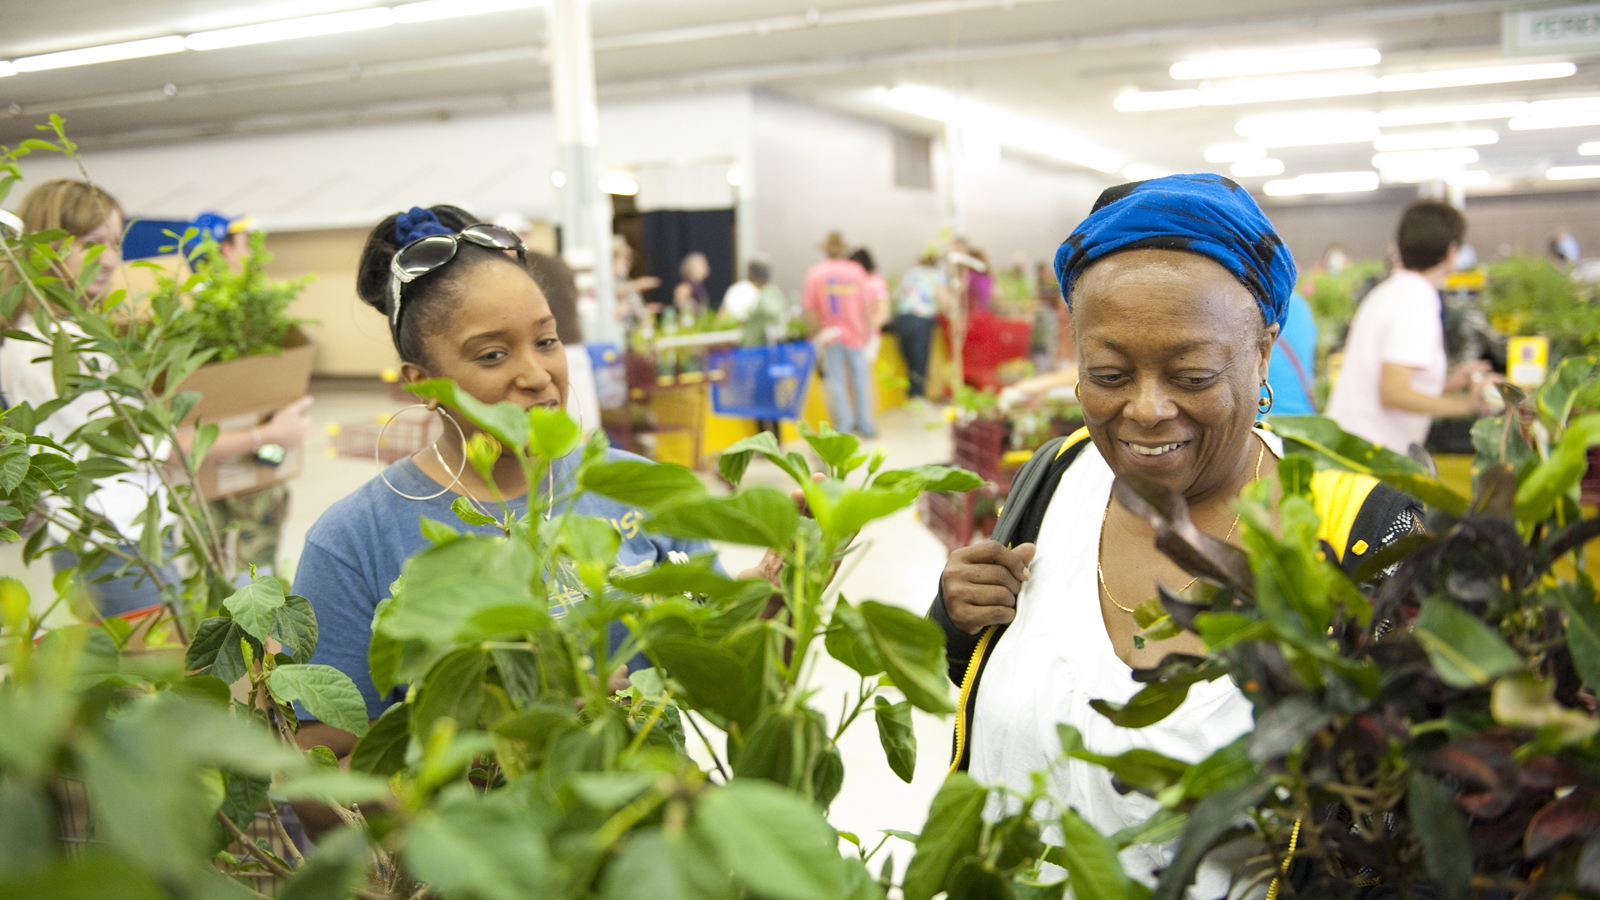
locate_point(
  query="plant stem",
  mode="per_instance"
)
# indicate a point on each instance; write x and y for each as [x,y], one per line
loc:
[250,847]
[709,749]
[865,694]
[277,823]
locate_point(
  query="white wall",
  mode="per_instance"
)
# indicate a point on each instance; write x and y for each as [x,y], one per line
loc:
[348,177]
[822,170]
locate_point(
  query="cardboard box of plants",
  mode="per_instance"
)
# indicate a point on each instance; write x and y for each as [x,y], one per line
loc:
[262,363]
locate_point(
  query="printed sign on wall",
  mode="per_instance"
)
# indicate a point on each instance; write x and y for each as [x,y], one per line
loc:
[1552,30]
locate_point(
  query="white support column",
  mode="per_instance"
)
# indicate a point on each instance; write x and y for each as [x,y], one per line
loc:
[585,212]
[955,154]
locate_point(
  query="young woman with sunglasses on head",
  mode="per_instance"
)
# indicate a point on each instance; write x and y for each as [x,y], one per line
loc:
[461,305]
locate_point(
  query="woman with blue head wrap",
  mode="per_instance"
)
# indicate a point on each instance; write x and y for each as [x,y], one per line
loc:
[1178,288]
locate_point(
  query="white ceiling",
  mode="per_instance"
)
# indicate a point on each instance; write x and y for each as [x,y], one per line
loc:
[1057,61]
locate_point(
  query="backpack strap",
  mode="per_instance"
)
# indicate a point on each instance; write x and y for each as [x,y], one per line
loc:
[1019,523]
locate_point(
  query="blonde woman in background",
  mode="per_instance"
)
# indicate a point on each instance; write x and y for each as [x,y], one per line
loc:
[93,218]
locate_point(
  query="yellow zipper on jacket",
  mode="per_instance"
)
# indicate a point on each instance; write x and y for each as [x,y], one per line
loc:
[969,680]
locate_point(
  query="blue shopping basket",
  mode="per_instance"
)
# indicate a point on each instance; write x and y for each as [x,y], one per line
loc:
[763,382]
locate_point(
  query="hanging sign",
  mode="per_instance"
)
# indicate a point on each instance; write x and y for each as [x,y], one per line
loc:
[1552,30]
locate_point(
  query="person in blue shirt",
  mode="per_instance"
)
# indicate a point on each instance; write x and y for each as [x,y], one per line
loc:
[1291,373]
[460,306]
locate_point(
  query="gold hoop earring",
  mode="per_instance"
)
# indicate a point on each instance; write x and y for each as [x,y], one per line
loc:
[1265,403]
[1077,392]
[455,480]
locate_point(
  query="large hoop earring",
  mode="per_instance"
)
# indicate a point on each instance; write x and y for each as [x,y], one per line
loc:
[1077,391]
[455,479]
[1265,403]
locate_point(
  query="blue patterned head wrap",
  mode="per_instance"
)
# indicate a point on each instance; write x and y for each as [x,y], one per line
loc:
[415,224]
[1205,214]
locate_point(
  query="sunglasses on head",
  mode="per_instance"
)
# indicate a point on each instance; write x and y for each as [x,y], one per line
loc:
[426,254]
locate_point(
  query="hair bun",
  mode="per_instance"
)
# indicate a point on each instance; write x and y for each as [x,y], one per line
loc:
[417,223]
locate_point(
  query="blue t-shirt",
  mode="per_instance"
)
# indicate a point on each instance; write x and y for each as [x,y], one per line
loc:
[1299,333]
[356,549]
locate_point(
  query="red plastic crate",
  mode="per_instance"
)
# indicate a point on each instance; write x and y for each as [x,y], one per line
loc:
[978,446]
[992,340]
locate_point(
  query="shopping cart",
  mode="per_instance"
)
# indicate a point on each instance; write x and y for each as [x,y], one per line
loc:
[765,383]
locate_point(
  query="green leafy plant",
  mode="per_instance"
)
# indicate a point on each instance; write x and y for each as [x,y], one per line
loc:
[1528,295]
[238,313]
[1433,731]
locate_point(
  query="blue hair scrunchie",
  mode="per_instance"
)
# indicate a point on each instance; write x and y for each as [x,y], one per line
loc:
[1203,213]
[415,224]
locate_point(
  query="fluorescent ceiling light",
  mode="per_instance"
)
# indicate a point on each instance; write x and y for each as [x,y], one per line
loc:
[1144,101]
[618,183]
[1235,152]
[101,54]
[1538,121]
[290,29]
[1009,129]
[1268,90]
[1256,168]
[7,70]
[1589,148]
[1572,173]
[1425,159]
[1143,172]
[1444,115]
[1446,78]
[1234,65]
[1250,126]
[558,178]
[1433,140]
[433,10]
[1574,104]
[1324,183]
[1315,137]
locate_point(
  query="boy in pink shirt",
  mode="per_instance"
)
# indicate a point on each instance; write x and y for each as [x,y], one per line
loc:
[837,301]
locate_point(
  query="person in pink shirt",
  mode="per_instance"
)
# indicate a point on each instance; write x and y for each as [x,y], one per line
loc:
[838,301]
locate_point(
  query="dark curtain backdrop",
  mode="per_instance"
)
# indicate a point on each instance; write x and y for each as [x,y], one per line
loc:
[670,235]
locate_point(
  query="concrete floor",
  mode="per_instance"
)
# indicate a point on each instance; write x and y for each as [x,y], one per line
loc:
[900,564]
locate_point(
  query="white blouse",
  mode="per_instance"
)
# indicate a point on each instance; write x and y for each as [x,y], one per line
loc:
[1056,657]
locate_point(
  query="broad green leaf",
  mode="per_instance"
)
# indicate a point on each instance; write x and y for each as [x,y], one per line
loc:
[382,750]
[325,692]
[1210,820]
[335,786]
[842,510]
[1446,847]
[27,832]
[912,650]
[835,449]
[849,641]
[254,606]
[215,647]
[656,866]
[1284,727]
[1140,768]
[1583,631]
[13,466]
[698,577]
[243,796]
[554,432]
[468,514]
[1524,700]
[1091,861]
[1158,698]
[714,676]
[452,689]
[940,479]
[955,821]
[781,748]
[1555,397]
[898,738]
[294,625]
[54,468]
[1464,651]
[505,422]
[1558,475]
[758,516]
[646,485]
[774,841]
[486,849]
[1332,448]
[438,601]
[1163,825]
[735,460]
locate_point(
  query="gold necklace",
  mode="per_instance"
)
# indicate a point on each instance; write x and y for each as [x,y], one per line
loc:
[1100,569]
